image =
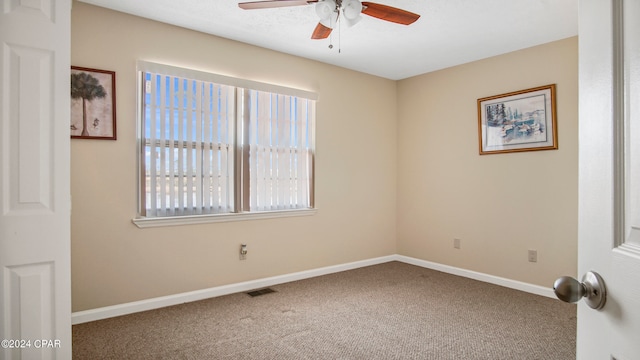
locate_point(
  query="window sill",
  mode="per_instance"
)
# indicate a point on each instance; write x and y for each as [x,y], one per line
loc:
[144,222]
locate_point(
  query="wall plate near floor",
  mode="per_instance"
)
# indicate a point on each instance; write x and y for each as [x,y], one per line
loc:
[243,251]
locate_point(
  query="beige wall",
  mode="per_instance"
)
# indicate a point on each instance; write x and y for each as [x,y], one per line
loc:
[114,262]
[500,206]
[398,171]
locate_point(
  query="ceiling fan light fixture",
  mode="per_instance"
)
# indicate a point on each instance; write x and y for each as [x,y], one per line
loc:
[325,9]
[351,9]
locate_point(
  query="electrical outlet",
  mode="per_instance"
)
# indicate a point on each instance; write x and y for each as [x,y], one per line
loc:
[456,243]
[533,256]
[243,251]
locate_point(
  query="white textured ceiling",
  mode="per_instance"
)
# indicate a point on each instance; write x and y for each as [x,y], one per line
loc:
[448,33]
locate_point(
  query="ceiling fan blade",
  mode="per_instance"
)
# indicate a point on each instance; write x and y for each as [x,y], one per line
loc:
[273,4]
[389,13]
[321,32]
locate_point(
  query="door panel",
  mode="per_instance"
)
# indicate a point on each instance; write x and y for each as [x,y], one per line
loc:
[35,300]
[609,175]
[631,68]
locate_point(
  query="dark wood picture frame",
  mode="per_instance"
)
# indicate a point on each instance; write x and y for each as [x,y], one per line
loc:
[518,121]
[93,104]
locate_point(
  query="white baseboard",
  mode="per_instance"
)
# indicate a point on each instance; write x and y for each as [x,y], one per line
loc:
[164,301]
[496,280]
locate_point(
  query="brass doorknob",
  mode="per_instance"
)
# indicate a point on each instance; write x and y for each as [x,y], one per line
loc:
[592,289]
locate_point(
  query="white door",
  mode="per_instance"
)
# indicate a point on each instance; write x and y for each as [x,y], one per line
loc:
[35,283]
[609,176]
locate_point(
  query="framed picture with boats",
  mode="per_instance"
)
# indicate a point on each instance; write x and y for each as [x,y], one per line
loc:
[518,121]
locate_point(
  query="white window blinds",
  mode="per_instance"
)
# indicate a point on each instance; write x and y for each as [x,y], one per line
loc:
[211,144]
[189,148]
[280,148]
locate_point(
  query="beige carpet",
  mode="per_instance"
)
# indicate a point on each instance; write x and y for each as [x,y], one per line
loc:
[388,311]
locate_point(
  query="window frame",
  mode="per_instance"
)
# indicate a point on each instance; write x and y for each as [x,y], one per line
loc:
[240,169]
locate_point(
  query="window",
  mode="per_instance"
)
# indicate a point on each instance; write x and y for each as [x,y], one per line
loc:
[214,145]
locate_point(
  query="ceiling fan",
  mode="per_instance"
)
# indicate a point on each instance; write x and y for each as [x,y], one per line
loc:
[329,12]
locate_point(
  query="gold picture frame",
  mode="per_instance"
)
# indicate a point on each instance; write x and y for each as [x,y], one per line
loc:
[518,121]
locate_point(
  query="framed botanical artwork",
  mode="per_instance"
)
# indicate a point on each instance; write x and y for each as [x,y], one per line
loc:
[93,104]
[522,120]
